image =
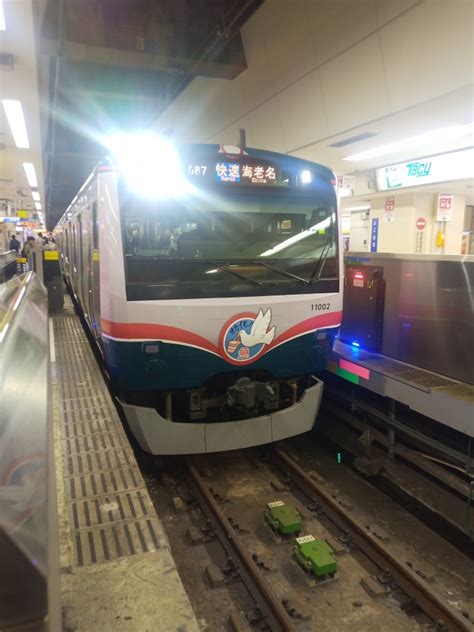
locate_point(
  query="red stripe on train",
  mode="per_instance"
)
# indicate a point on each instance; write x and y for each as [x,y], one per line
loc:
[320,321]
[152,331]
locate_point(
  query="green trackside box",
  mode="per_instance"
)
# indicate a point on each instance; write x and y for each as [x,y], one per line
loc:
[315,556]
[282,517]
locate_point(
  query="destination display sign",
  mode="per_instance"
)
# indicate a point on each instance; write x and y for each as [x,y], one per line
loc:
[244,171]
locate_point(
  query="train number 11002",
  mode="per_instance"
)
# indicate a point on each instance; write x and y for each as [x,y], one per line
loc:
[320,307]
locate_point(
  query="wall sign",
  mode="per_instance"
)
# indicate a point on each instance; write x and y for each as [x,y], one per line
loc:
[421,223]
[374,234]
[346,182]
[445,207]
[389,210]
[456,165]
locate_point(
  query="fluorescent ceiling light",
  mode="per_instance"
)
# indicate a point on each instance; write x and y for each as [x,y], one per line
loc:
[363,207]
[3,26]
[36,196]
[437,135]
[38,206]
[30,174]
[16,120]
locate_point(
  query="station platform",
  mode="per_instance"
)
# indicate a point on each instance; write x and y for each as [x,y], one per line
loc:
[438,397]
[117,570]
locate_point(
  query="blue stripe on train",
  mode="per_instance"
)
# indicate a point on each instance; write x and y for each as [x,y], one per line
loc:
[137,366]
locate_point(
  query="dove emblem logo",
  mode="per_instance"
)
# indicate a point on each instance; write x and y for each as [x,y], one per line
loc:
[245,337]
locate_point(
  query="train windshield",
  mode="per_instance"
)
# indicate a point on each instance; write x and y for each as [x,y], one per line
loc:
[272,242]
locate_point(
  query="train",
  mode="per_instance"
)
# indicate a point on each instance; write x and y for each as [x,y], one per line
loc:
[210,277]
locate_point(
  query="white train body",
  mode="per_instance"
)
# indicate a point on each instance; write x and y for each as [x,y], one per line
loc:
[208,353]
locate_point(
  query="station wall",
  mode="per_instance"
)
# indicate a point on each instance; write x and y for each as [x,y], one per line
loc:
[401,235]
[318,68]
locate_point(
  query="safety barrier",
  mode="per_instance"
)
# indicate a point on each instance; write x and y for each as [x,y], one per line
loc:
[8,265]
[46,264]
[29,579]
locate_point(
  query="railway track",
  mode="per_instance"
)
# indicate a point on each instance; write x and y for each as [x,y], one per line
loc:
[275,611]
[427,599]
[275,614]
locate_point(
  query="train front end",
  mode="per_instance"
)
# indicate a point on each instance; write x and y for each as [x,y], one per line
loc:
[220,295]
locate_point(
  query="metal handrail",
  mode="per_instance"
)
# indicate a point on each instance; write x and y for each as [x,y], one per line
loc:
[28,523]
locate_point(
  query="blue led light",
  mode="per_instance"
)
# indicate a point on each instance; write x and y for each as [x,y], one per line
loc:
[354,343]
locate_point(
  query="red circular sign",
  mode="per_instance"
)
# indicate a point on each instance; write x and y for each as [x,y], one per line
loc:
[420,223]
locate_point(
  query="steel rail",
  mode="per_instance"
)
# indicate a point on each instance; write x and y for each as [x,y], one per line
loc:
[430,602]
[274,605]
[412,456]
[399,426]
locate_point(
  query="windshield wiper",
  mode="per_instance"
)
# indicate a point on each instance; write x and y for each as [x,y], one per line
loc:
[222,266]
[290,275]
[319,267]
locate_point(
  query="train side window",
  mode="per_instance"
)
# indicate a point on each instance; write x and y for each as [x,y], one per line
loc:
[66,244]
[95,227]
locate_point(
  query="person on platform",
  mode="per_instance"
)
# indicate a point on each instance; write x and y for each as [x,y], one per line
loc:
[49,244]
[14,243]
[28,247]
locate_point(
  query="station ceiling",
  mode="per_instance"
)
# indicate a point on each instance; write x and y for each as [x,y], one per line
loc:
[110,65]
[104,66]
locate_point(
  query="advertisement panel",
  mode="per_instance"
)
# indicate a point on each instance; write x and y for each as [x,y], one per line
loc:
[457,165]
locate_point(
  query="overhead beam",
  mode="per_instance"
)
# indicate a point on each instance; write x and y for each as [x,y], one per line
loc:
[137,60]
[109,95]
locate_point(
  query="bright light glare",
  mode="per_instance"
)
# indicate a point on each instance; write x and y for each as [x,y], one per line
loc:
[4,331]
[30,174]
[325,223]
[16,120]
[435,136]
[3,26]
[149,163]
[36,196]
[38,206]
[306,176]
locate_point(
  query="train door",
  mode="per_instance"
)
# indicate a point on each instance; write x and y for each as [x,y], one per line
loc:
[85,259]
[74,258]
[94,277]
[66,250]
[78,260]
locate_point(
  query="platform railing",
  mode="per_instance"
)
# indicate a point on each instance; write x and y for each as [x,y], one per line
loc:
[428,318]
[29,569]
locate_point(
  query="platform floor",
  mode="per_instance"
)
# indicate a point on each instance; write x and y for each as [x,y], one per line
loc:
[117,570]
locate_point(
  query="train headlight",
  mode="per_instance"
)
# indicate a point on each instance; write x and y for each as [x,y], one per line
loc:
[149,164]
[306,176]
